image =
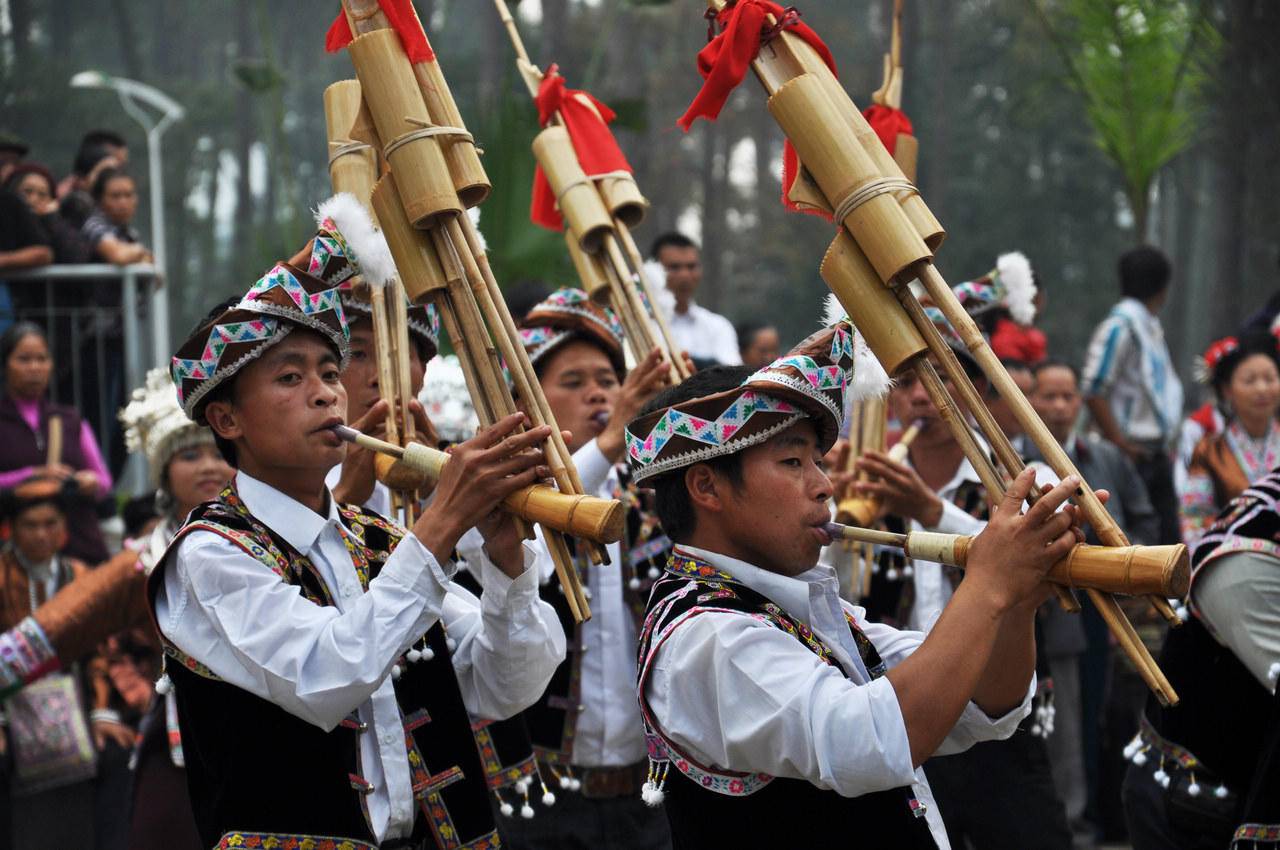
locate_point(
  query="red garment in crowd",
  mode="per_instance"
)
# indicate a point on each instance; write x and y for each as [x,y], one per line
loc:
[1012,341]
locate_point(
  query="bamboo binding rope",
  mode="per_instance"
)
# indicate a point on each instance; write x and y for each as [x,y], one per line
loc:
[440,243]
[1130,570]
[414,465]
[892,228]
[599,211]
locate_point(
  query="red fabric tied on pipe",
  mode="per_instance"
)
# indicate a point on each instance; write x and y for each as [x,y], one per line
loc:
[587,121]
[724,62]
[888,123]
[403,20]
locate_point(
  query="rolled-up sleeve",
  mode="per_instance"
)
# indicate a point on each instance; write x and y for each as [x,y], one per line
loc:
[509,642]
[734,692]
[226,609]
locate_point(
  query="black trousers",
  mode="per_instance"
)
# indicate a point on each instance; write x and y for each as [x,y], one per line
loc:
[999,795]
[578,823]
[1157,822]
[1156,472]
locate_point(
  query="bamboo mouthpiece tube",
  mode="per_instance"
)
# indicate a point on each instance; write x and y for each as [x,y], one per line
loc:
[1130,570]
[414,466]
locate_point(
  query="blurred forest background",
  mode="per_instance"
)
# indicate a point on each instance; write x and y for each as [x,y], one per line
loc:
[1009,158]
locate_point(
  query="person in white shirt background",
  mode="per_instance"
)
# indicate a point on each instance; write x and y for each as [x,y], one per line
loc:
[769,709]
[708,337]
[320,639]
[585,730]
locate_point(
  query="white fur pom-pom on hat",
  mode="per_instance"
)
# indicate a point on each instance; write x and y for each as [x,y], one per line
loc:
[372,256]
[1018,282]
[869,378]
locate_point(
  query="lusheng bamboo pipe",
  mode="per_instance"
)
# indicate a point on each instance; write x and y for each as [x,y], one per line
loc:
[808,120]
[415,466]
[862,510]
[599,223]
[1130,570]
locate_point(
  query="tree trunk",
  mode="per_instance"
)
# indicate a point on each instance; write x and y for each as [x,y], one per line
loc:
[128,37]
[713,223]
[555,31]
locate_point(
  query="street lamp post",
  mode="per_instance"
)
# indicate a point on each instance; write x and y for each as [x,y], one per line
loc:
[132,94]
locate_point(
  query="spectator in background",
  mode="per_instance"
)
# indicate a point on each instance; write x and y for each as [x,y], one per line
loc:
[26,417]
[34,183]
[1245,374]
[708,337]
[758,343]
[110,227]
[50,785]
[1077,648]
[99,149]
[23,244]
[1130,385]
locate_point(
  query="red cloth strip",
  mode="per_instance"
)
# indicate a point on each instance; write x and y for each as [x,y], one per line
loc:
[587,120]
[888,123]
[724,62]
[403,20]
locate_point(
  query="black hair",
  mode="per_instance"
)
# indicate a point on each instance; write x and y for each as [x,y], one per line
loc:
[670,239]
[101,136]
[672,502]
[104,177]
[523,295]
[225,391]
[88,156]
[747,331]
[1144,272]
[1056,363]
[14,335]
[1249,344]
[137,512]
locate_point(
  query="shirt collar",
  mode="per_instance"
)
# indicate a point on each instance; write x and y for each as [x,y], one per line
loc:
[794,593]
[295,522]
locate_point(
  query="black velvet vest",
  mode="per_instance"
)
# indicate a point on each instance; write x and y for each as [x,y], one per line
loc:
[257,772]
[710,807]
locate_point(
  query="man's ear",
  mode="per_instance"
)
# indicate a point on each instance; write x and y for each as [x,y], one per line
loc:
[223,420]
[703,486]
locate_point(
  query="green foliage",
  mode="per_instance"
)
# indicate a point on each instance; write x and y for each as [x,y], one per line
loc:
[1140,66]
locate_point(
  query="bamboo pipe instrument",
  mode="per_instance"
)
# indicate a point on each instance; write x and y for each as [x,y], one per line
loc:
[628,290]
[863,509]
[414,465]
[1130,570]
[409,105]
[890,223]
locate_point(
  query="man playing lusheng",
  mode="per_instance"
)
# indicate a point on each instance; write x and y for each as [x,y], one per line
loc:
[774,711]
[322,660]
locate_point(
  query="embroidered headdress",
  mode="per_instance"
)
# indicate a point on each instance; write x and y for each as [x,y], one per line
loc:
[155,425]
[567,314]
[301,292]
[814,380]
[1010,285]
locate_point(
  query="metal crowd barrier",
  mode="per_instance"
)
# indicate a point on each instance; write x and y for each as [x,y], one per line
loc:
[71,327]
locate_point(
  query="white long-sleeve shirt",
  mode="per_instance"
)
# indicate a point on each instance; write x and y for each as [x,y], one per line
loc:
[609,731]
[223,607]
[705,335]
[735,692]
